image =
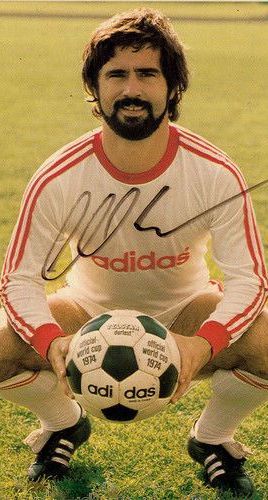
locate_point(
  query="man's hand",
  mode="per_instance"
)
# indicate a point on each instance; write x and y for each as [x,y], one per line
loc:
[195,352]
[57,353]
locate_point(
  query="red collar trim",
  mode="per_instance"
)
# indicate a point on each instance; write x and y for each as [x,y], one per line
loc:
[142,177]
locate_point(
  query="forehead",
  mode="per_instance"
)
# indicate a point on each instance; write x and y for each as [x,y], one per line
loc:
[128,57]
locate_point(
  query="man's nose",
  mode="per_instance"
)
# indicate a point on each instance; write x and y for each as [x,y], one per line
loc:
[132,86]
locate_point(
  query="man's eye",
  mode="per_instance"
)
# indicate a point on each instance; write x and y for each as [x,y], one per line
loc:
[117,74]
[147,73]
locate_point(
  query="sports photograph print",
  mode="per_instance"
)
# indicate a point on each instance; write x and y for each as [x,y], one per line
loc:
[133,250]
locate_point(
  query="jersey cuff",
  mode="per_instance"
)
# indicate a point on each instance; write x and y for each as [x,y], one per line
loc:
[43,337]
[216,334]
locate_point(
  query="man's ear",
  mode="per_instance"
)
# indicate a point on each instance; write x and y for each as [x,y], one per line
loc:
[94,93]
[93,96]
[172,94]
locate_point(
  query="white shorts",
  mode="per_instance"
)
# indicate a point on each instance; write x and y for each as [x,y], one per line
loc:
[167,317]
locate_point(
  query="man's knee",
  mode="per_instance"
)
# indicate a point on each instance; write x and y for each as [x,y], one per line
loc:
[15,354]
[68,314]
[250,352]
[254,346]
[195,313]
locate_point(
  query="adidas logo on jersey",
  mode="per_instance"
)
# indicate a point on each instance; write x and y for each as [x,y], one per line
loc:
[131,262]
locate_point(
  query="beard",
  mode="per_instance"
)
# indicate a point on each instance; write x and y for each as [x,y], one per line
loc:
[133,128]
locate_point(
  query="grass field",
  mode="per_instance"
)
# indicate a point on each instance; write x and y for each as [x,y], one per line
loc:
[42,108]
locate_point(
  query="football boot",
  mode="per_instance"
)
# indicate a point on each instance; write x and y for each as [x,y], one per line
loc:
[53,459]
[223,466]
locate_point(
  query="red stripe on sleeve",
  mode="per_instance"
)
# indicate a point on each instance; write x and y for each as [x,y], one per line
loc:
[225,161]
[41,187]
[247,210]
[20,239]
[258,310]
[27,202]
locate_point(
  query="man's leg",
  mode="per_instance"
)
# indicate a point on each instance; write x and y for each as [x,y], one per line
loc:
[27,379]
[240,385]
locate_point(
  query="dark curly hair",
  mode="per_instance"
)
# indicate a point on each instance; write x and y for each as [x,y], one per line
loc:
[137,28]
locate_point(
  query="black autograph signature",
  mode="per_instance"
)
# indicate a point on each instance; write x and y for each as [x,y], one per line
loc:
[107,210]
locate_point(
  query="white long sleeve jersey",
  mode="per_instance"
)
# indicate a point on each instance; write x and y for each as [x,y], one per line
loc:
[137,241]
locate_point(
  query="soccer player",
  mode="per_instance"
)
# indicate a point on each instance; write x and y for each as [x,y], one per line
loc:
[137,201]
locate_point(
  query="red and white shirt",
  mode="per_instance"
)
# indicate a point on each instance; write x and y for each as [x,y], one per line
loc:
[137,241]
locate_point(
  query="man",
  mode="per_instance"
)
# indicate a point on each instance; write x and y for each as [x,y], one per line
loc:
[137,201]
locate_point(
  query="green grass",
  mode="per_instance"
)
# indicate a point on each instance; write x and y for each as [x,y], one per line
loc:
[43,108]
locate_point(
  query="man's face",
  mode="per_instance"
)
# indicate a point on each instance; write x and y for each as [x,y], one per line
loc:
[132,92]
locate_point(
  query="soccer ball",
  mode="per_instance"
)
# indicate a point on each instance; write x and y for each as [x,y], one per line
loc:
[123,366]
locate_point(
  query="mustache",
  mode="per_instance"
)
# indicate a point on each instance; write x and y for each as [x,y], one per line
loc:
[135,101]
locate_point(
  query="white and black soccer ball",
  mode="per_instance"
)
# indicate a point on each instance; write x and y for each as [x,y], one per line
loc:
[123,366]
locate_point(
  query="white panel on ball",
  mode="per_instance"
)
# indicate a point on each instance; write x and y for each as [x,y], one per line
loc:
[152,409]
[99,389]
[139,390]
[152,354]
[119,330]
[89,352]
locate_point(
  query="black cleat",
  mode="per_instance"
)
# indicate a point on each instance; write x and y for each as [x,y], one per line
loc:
[222,470]
[52,462]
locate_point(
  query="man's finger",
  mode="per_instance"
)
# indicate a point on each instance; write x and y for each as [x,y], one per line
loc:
[184,382]
[59,368]
[180,391]
[66,389]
